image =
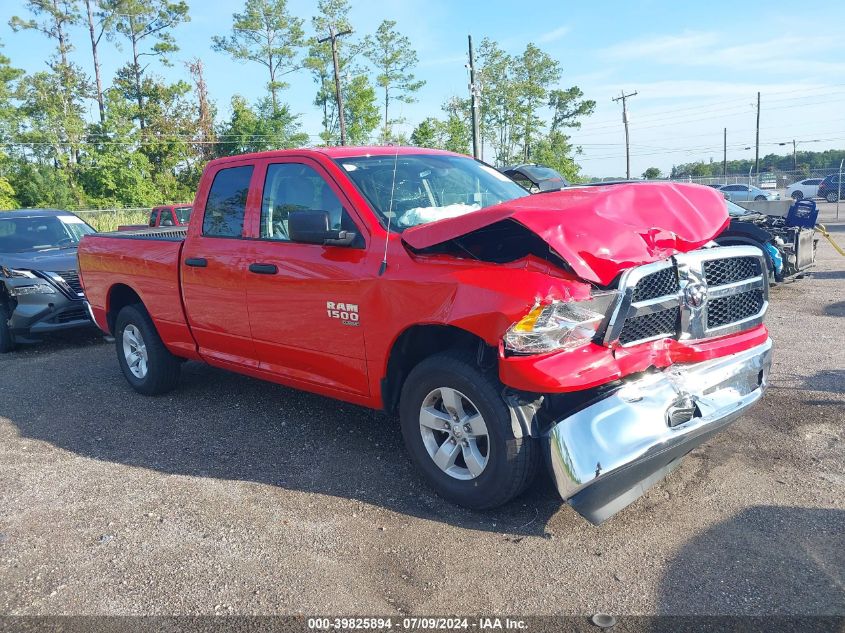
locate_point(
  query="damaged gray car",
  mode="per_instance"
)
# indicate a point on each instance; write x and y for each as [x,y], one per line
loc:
[40,290]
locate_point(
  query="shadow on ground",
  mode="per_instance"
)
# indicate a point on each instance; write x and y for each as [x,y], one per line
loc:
[766,560]
[223,425]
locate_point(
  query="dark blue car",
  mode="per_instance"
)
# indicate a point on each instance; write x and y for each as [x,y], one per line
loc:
[39,280]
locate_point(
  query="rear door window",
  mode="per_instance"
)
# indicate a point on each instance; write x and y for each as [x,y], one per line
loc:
[224,209]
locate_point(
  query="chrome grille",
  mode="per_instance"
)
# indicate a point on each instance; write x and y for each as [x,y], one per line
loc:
[705,293]
[734,308]
[649,326]
[663,282]
[718,272]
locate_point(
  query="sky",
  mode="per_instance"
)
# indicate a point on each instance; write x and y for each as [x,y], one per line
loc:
[696,67]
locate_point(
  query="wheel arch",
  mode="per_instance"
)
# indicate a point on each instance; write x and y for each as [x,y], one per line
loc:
[418,342]
[119,296]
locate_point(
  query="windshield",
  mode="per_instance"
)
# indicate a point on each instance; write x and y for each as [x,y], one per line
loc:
[427,187]
[41,233]
[542,173]
[183,214]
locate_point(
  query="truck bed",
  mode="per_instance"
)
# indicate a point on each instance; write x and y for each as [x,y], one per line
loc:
[147,261]
[169,234]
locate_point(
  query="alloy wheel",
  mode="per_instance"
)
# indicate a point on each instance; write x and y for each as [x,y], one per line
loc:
[454,433]
[135,351]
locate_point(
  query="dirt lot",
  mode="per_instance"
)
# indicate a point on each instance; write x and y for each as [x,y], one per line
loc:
[235,496]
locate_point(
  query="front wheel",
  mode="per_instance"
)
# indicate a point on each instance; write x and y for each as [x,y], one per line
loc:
[458,432]
[760,198]
[7,339]
[797,195]
[831,196]
[147,364]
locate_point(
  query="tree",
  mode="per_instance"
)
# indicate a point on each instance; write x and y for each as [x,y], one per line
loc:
[249,130]
[568,106]
[499,101]
[267,34]
[426,134]
[205,111]
[393,58]
[535,72]
[100,22]
[362,113]
[142,21]
[332,15]
[652,173]
[58,15]
[114,172]
[54,98]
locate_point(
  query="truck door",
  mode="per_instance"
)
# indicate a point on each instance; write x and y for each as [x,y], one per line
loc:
[214,267]
[305,300]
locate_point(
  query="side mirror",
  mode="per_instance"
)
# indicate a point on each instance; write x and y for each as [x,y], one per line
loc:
[312,227]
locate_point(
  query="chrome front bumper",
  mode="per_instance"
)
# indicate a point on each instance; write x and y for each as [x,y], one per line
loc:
[608,454]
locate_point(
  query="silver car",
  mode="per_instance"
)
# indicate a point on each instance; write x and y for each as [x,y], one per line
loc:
[744,193]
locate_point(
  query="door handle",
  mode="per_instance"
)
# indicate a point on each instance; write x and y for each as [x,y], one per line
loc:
[263,269]
[199,262]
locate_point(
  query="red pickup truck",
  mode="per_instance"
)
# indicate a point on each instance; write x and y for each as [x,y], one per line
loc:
[167,215]
[599,328]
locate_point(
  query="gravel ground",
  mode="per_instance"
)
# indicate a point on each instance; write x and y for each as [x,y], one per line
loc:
[235,496]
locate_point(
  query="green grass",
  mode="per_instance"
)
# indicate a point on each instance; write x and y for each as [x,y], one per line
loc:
[109,220]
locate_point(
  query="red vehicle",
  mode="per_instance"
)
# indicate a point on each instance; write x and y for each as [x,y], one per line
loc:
[167,215]
[599,326]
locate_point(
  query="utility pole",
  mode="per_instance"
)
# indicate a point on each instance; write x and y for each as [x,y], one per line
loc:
[624,99]
[725,155]
[338,94]
[794,157]
[474,93]
[757,148]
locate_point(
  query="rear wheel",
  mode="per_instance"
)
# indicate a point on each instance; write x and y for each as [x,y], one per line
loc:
[797,195]
[7,340]
[458,432]
[831,196]
[760,198]
[147,364]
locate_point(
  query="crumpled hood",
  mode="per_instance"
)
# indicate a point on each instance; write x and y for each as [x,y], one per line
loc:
[51,260]
[600,231]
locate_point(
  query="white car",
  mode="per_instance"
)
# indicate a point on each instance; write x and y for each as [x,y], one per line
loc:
[807,188]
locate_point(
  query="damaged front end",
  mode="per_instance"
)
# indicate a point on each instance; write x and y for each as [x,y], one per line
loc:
[607,454]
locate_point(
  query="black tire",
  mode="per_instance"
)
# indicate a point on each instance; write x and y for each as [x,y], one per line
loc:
[512,462]
[7,340]
[163,368]
[797,195]
[831,196]
[760,198]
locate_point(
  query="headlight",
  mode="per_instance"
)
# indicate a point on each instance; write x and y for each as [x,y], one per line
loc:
[11,273]
[557,326]
[35,289]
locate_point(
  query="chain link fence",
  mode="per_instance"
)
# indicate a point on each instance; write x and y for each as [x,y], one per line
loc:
[110,219]
[764,180]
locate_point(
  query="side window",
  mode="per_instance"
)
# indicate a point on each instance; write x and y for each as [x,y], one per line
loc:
[730,188]
[224,209]
[297,187]
[166,217]
[153,216]
[521,180]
